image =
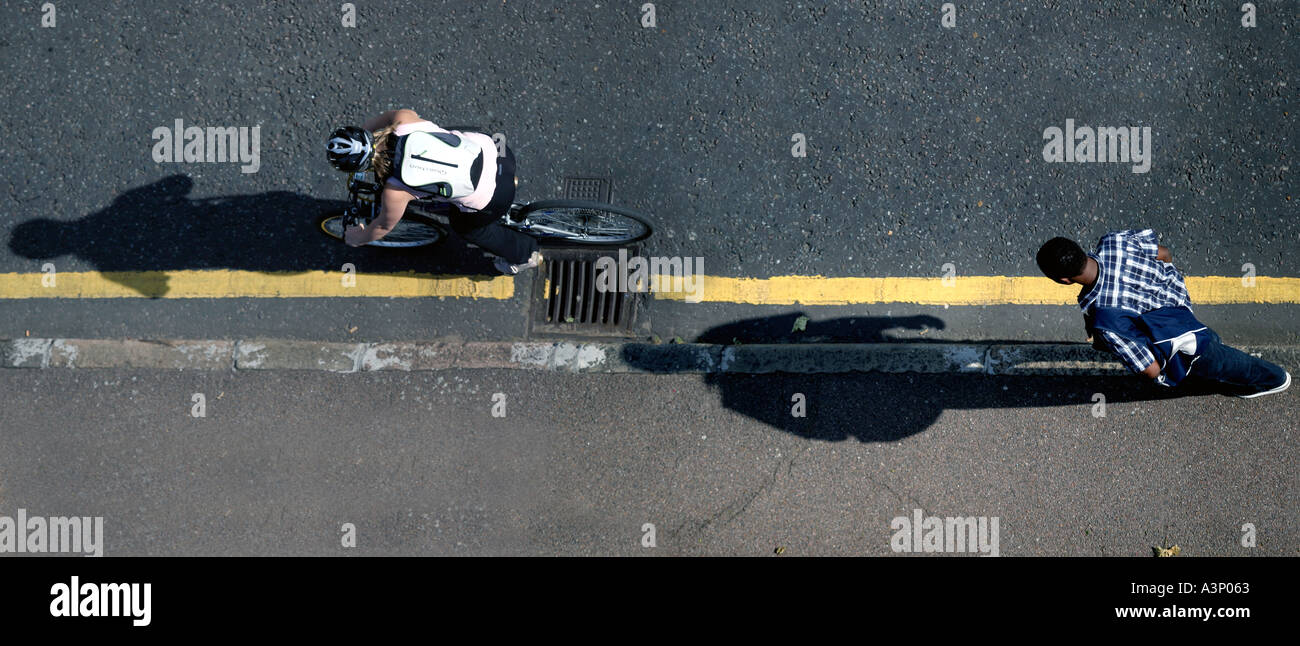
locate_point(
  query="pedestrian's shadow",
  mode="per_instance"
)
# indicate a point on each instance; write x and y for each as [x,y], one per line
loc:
[885,407]
[158,228]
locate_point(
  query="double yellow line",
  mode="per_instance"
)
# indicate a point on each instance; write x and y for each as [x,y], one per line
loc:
[777,290]
[964,290]
[223,283]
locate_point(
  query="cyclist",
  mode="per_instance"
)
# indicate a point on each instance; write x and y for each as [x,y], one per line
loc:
[470,175]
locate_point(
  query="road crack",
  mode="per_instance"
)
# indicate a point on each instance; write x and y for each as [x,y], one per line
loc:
[736,508]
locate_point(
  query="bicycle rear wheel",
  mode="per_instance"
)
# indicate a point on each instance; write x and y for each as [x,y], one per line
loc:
[408,232]
[582,222]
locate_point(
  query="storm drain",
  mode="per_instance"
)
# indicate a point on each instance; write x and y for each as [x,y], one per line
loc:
[595,189]
[566,300]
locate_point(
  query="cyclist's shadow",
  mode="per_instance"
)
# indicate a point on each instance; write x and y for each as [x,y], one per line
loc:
[884,407]
[158,228]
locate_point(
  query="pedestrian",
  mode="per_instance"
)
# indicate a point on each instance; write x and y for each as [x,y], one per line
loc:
[1135,304]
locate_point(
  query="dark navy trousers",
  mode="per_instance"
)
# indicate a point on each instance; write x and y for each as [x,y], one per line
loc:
[1239,371]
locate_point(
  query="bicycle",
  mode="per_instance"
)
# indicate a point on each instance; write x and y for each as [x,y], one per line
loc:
[577,222]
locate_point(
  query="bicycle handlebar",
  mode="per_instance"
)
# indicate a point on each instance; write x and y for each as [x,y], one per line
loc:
[354,213]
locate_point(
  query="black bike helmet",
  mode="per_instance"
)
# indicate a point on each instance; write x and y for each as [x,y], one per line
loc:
[350,148]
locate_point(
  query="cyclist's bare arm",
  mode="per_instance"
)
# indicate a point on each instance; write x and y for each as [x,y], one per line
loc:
[392,206]
[392,117]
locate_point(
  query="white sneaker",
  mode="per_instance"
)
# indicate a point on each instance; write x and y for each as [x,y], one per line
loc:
[1286,384]
[511,270]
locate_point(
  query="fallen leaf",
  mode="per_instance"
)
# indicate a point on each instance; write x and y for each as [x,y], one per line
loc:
[800,324]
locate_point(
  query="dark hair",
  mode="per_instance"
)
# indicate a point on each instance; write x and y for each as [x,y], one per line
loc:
[1061,258]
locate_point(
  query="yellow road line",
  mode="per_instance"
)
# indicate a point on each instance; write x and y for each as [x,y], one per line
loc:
[964,290]
[778,290]
[249,284]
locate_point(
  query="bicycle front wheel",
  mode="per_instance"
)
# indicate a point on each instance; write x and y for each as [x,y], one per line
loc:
[583,222]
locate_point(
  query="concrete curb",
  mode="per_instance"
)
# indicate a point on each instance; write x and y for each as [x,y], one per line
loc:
[279,354]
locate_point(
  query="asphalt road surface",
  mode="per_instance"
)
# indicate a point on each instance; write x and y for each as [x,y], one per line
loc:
[579,464]
[924,145]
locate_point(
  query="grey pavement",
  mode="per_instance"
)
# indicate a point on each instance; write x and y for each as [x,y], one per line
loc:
[580,463]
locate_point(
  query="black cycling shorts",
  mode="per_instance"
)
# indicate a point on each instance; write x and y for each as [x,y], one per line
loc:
[504,195]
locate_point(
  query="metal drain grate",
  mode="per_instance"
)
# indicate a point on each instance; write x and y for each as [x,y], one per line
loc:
[596,189]
[566,301]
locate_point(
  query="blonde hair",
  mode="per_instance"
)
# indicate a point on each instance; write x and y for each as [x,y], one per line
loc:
[381,162]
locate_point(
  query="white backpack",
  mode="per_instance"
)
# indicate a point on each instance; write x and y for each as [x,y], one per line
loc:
[441,163]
